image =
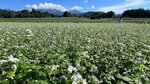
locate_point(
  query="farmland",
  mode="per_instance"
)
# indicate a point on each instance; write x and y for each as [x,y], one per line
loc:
[75,20]
[97,53]
[56,19]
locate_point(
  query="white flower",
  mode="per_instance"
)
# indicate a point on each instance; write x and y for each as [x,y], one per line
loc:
[29,70]
[96,80]
[29,35]
[65,25]
[84,81]
[64,77]
[79,76]
[122,45]
[71,69]
[77,79]
[146,46]
[55,67]
[2,40]
[2,61]
[14,67]
[88,40]
[36,80]
[29,31]
[94,68]
[12,59]
[139,54]
[85,54]
[4,72]
[74,82]
[146,51]
[20,54]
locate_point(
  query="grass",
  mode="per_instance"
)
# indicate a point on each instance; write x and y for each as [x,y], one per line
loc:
[94,53]
[137,20]
[75,20]
[59,19]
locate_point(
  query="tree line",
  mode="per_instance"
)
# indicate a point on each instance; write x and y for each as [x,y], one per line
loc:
[133,13]
[98,15]
[23,14]
[37,14]
[137,13]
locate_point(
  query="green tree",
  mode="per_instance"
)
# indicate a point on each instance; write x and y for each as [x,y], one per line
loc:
[110,14]
[137,13]
[66,14]
[23,14]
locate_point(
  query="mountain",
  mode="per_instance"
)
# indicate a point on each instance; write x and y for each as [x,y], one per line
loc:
[75,12]
[58,12]
[52,11]
[87,14]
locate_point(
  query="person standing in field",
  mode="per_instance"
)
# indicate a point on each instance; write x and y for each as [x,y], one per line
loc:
[120,20]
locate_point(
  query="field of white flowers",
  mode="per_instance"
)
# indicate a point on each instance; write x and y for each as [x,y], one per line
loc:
[77,53]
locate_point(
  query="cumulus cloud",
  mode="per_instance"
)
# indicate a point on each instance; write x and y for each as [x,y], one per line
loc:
[128,4]
[76,8]
[46,6]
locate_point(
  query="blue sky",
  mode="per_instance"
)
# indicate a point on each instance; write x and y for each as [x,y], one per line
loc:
[117,6]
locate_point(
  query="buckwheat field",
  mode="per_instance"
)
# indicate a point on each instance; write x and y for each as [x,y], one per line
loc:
[74,53]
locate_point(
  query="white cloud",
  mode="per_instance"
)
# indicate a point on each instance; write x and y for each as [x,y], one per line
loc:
[85,1]
[46,6]
[76,8]
[93,7]
[128,4]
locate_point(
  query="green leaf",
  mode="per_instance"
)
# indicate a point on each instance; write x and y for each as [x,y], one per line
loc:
[4,82]
[33,66]
[77,62]
[10,74]
[42,82]
[125,78]
[19,76]
[60,57]
[30,81]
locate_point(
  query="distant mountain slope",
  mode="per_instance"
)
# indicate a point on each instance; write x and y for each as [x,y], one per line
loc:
[75,12]
[52,11]
[58,12]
